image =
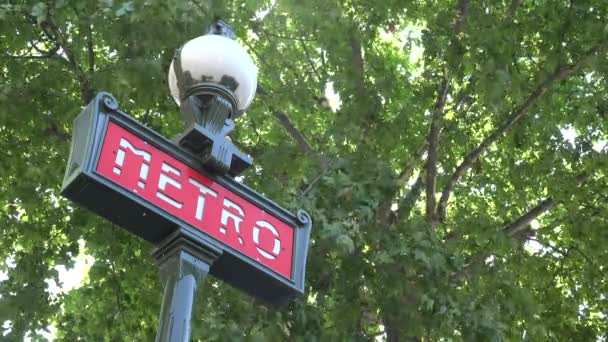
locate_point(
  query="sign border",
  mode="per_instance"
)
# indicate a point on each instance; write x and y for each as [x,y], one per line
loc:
[214,241]
[82,181]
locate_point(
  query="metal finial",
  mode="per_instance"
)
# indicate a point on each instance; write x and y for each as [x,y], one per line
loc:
[221,28]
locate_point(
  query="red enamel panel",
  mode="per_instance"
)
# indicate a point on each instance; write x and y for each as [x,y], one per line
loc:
[129,161]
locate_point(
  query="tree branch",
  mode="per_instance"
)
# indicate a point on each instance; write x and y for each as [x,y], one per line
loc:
[433,151]
[561,72]
[296,135]
[406,173]
[52,30]
[357,60]
[27,56]
[90,49]
[548,246]
[583,254]
[117,289]
[54,131]
[85,26]
[463,12]
[512,229]
[519,230]
[524,221]
[41,54]
[408,169]
[513,7]
[409,200]
[61,41]
[310,61]
[374,335]
[437,120]
[293,131]
[270,34]
[314,182]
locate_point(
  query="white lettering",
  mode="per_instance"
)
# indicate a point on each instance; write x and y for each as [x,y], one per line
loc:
[204,190]
[120,160]
[276,249]
[236,219]
[164,180]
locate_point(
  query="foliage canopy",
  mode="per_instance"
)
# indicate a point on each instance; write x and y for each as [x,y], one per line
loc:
[459,192]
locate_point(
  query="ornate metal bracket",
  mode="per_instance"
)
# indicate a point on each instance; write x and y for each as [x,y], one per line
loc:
[221,28]
[207,112]
[208,109]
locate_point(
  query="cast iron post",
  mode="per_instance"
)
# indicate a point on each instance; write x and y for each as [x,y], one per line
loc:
[207,109]
[183,265]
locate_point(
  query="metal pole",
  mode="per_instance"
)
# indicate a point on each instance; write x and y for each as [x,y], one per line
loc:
[183,265]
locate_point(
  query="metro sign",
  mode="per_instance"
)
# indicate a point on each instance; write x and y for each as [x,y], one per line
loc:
[136,178]
[188,194]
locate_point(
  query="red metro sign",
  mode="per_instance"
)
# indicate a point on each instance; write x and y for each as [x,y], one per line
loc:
[141,181]
[184,192]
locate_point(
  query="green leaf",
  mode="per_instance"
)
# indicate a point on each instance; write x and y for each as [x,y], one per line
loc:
[126,8]
[39,11]
[345,243]
[458,277]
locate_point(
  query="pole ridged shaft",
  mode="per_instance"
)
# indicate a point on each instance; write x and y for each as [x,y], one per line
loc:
[184,265]
[182,276]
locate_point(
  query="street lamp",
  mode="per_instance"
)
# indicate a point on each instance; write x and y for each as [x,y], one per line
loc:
[213,80]
[181,195]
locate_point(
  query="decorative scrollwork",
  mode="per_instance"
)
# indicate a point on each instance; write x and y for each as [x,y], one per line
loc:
[303,217]
[109,101]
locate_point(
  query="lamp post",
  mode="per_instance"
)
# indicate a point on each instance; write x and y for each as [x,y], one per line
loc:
[181,195]
[213,80]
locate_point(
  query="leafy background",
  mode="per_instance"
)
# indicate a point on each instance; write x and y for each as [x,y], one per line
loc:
[459,192]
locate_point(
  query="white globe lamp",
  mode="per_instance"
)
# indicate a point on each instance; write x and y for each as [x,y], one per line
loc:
[213,80]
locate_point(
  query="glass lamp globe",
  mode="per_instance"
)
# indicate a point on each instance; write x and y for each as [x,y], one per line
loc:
[216,60]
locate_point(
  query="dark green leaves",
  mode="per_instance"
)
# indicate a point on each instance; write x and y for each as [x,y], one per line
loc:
[377,266]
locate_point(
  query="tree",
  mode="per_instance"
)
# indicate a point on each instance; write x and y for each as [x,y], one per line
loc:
[459,192]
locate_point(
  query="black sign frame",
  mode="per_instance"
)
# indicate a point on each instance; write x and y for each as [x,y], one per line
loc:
[85,186]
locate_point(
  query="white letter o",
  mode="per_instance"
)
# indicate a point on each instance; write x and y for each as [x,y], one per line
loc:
[256,238]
